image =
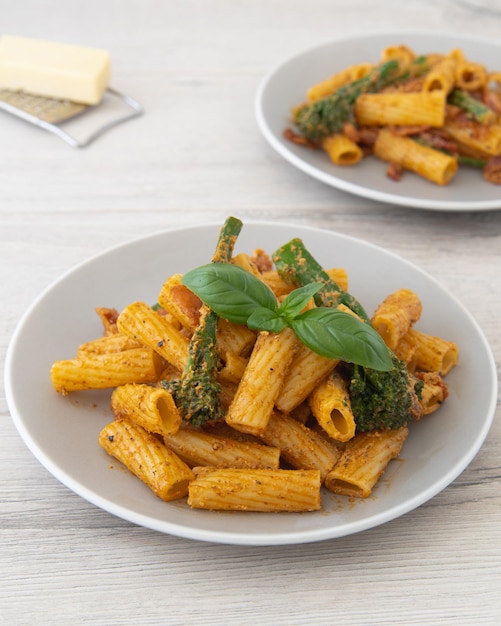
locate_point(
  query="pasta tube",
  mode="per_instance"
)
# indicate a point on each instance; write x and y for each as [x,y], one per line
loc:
[470,76]
[280,288]
[405,350]
[300,446]
[401,109]
[395,315]
[442,76]
[153,408]
[306,371]
[340,276]
[233,368]
[255,490]
[140,321]
[197,448]
[456,54]
[330,404]
[258,390]
[234,338]
[363,461]
[433,165]
[329,85]
[246,263]
[148,458]
[103,371]
[400,52]
[433,354]
[107,344]
[484,140]
[342,150]
[180,302]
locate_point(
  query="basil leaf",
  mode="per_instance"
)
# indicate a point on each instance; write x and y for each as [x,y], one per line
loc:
[339,335]
[238,296]
[264,319]
[229,291]
[296,300]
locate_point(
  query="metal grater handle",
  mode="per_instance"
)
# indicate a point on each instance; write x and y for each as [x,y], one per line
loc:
[136,110]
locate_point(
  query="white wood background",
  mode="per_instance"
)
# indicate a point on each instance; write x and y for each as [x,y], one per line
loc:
[197,155]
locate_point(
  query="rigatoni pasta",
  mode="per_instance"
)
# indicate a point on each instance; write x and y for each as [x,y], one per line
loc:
[425,108]
[330,405]
[342,150]
[199,448]
[255,490]
[153,408]
[423,113]
[148,458]
[431,164]
[251,409]
[363,461]
[395,316]
[140,321]
[300,446]
[104,371]
[433,354]
[284,425]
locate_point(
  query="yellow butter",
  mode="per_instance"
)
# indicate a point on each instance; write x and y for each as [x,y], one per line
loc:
[55,70]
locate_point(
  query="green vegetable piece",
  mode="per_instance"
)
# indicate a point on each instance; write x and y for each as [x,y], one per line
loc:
[471,161]
[197,392]
[462,159]
[478,110]
[382,400]
[327,115]
[298,267]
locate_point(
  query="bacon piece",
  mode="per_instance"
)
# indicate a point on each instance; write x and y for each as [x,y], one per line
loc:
[351,132]
[188,302]
[364,135]
[293,137]
[407,131]
[395,171]
[439,141]
[108,318]
[410,86]
[452,111]
[262,260]
[492,170]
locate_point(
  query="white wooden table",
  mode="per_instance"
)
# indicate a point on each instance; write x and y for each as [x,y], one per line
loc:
[196,156]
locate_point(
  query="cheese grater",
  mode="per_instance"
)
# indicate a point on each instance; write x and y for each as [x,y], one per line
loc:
[51,113]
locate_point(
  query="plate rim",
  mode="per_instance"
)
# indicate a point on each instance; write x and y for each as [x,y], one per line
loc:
[346,186]
[243,538]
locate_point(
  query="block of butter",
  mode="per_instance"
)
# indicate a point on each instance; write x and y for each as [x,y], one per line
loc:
[54,70]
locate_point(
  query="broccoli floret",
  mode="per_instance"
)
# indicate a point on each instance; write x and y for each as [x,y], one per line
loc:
[383,400]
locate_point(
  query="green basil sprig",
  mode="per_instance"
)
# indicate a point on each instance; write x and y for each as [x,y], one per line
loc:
[238,296]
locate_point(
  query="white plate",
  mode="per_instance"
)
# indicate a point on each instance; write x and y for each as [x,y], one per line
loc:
[62,431]
[286,86]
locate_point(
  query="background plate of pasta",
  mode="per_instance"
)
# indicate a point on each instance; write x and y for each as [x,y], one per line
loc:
[408,118]
[96,369]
